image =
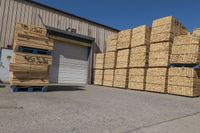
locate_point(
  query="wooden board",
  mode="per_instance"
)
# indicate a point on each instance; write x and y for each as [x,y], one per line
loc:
[124,39]
[185,50]
[159,54]
[184,81]
[122,58]
[140,36]
[110,60]
[99,62]
[111,43]
[108,77]
[98,77]
[28,68]
[162,37]
[139,56]
[120,78]
[156,80]
[33,59]
[137,78]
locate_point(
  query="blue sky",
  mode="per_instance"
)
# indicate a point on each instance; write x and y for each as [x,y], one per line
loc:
[124,14]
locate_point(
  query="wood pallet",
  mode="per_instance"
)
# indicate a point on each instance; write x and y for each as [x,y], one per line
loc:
[29,89]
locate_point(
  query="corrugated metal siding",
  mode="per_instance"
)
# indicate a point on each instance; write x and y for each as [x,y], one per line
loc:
[12,11]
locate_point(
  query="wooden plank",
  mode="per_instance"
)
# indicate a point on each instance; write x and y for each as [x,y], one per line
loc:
[98,77]
[111,43]
[110,60]
[124,39]
[25,58]
[99,62]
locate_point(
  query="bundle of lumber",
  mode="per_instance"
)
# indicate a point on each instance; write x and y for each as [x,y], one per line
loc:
[159,54]
[108,77]
[139,56]
[32,59]
[185,50]
[110,60]
[140,36]
[184,81]
[99,62]
[111,43]
[137,78]
[120,78]
[98,77]
[196,32]
[124,39]
[122,58]
[165,29]
[156,80]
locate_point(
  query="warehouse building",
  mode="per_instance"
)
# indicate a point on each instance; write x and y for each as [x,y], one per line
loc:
[76,39]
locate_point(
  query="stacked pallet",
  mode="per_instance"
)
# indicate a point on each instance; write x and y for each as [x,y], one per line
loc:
[184,71]
[98,69]
[120,78]
[162,36]
[139,57]
[32,59]
[124,39]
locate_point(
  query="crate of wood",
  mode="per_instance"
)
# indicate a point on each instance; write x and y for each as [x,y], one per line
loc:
[137,78]
[156,80]
[185,50]
[108,77]
[110,60]
[111,43]
[99,62]
[165,29]
[140,36]
[120,78]
[32,56]
[184,81]
[159,54]
[139,56]
[122,58]
[98,77]
[124,39]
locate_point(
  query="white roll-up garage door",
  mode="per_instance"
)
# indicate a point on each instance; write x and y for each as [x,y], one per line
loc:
[70,63]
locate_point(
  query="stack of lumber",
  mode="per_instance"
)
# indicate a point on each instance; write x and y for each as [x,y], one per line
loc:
[156,80]
[98,77]
[184,81]
[120,78]
[111,43]
[185,50]
[137,78]
[108,77]
[99,62]
[98,69]
[28,68]
[159,54]
[110,60]
[124,39]
[196,32]
[140,46]
[122,58]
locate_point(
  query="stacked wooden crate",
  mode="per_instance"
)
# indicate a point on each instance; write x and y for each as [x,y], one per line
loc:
[98,69]
[162,36]
[139,57]
[184,71]
[122,62]
[32,57]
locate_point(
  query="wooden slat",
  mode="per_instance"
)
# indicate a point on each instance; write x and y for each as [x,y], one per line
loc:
[28,68]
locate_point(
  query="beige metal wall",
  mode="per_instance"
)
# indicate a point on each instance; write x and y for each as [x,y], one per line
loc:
[12,11]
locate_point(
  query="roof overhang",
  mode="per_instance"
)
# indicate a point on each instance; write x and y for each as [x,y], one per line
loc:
[63,35]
